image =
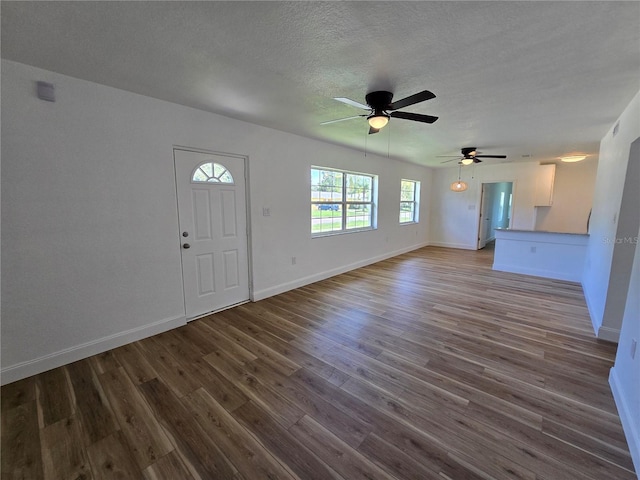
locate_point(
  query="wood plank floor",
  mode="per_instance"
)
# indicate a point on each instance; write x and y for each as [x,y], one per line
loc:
[428,365]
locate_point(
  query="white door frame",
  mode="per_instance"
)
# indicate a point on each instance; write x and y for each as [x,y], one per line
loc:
[482,217]
[245,160]
[482,200]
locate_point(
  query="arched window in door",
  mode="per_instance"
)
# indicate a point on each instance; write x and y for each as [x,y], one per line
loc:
[210,172]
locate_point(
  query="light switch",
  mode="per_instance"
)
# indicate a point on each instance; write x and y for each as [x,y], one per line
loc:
[266,212]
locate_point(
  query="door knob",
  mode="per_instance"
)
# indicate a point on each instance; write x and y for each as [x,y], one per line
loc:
[186,245]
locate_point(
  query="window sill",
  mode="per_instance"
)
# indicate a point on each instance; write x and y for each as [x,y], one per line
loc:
[342,232]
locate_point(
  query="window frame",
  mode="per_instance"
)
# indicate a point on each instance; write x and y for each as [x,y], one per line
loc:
[344,203]
[213,179]
[415,203]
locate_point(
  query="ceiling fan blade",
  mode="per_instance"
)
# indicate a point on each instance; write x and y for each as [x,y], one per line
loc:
[373,130]
[353,103]
[341,119]
[490,156]
[411,100]
[476,160]
[416,117]
[447,161]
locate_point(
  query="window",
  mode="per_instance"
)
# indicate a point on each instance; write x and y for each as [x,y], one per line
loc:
[341,201]
[409,197]
[210,172]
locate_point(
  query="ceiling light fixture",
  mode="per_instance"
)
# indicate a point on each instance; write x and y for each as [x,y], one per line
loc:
[458,186]
[378,120]
[466,161]
[573,158]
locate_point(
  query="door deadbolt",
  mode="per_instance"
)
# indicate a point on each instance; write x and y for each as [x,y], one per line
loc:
[185,234]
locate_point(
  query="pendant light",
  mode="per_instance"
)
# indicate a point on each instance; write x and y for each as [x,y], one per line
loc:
[459,186]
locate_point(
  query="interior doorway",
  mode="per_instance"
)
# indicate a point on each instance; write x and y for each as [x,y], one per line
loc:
[496,205]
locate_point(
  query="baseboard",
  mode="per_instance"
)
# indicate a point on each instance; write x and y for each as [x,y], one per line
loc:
[595,320]
[536,272]
[609,334]
[602,333]
[301,282]
[84,350]
[461,246]
[626,414]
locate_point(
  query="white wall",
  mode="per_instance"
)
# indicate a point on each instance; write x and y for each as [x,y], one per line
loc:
[90,238]
[625,375]
[455,215]
[603,278]
[316,258]
[572,198]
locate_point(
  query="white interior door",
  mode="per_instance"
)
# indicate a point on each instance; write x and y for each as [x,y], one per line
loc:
[212,212]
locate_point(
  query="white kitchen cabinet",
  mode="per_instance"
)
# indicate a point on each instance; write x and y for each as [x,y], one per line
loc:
[545,177]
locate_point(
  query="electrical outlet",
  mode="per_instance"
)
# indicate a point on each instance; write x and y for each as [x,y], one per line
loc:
[533,249]
[293,260]
[634,344]
[266,211]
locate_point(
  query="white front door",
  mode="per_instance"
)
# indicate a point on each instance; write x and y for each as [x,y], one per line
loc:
[213,230]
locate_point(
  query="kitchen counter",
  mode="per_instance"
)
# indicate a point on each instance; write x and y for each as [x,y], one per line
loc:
[539,231]
[557,255]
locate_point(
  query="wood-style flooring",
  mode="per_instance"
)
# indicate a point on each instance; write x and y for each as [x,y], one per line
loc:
[428,365]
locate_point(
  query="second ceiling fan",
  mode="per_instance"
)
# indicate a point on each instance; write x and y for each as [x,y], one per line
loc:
[380,103]
[470,155]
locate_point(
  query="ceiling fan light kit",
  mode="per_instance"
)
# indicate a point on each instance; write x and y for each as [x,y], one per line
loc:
[378,120]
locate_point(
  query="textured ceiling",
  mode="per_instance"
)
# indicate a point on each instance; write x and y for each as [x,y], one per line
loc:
[543,79]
